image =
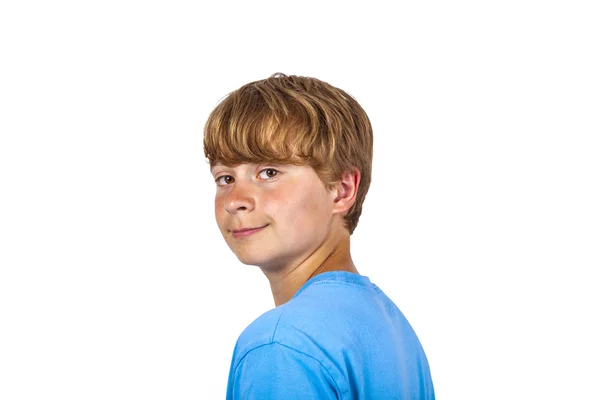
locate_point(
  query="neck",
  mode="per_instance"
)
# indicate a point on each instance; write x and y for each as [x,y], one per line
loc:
[332,255]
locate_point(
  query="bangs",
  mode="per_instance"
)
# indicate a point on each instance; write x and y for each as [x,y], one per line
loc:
[249,128]
[251,139]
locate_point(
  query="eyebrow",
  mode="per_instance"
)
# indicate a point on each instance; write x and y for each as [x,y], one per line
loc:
[216,166]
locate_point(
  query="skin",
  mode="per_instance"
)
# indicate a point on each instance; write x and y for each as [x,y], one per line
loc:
[303,232]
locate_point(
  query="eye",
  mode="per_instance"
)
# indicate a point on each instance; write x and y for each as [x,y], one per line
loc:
[224,180]
[268,173]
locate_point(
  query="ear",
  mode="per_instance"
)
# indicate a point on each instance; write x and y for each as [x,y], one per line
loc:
[345,191]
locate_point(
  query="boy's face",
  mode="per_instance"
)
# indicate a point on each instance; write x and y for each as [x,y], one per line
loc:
[272,216]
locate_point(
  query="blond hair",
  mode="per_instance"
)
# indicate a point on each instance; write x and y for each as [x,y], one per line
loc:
[294,120]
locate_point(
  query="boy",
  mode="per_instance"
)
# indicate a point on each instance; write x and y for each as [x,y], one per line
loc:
[291,158]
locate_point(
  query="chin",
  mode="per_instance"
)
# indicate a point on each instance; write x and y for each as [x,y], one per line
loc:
[249,259]
[263,263]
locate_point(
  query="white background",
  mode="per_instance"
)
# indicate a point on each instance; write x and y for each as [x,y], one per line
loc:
[482,222]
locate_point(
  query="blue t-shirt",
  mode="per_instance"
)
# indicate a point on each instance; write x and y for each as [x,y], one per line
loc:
[339,337]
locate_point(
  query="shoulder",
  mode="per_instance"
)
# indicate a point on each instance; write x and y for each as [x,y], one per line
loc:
[297,321]
[260,332]
[275,349]
[276,371]
[311,324]
[276,326]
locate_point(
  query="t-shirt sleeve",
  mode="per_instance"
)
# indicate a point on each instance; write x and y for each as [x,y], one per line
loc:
[275,371]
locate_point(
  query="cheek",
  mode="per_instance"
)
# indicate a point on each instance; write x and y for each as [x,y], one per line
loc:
[301,209]
[218,204]
[219,212]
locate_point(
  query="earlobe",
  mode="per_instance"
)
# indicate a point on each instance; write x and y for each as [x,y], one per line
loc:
[347,189]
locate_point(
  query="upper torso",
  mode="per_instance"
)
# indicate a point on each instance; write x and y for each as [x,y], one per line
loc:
[362,345]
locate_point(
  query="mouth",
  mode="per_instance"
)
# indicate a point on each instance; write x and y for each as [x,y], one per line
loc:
[245,232]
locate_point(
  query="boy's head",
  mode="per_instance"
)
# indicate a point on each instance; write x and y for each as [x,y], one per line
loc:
[294,120]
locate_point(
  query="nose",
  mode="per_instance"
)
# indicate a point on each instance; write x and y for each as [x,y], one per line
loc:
[239,199]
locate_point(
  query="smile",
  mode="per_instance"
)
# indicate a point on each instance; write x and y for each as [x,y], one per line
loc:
[246,232]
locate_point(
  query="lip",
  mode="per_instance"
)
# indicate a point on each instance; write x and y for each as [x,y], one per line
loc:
[245,232]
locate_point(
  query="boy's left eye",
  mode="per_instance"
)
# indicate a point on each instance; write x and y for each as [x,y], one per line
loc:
[268,173]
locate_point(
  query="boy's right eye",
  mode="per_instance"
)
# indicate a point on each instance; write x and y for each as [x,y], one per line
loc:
[224,180]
